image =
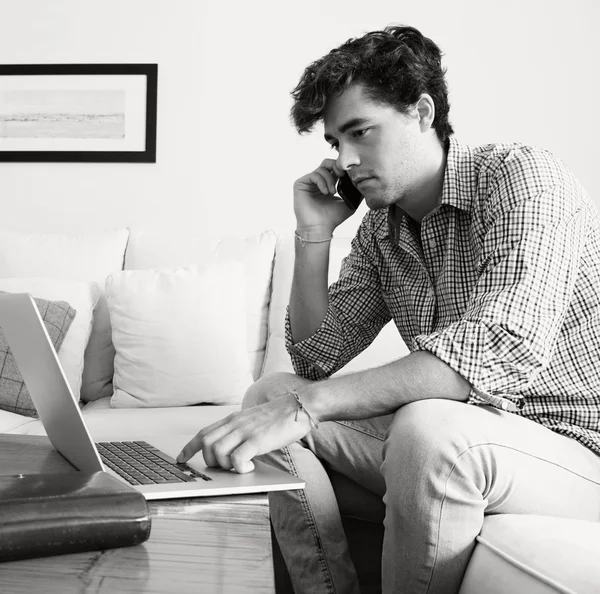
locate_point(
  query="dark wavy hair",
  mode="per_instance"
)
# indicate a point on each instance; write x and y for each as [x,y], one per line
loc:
[395,66]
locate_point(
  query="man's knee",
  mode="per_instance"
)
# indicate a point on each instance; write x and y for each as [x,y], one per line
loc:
[422,430]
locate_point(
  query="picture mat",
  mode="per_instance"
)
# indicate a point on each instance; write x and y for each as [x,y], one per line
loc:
[134,87]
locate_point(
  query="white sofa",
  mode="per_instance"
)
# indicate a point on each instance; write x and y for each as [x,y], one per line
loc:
[514,553]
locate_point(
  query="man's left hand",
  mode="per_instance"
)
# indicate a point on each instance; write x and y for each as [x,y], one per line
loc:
[233,441]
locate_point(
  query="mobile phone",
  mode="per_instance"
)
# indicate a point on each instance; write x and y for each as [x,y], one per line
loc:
[348,192]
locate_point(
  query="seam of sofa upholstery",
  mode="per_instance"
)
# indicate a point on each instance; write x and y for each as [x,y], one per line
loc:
[271,289]
[525,568]
[267,341]
[268,303]
[22,428]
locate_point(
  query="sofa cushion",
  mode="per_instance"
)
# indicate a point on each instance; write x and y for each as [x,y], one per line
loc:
[83,297]
[169,248]
[534,554]
[18,424]
[90,257]
[388,346]
[107,423]
[14,395]
[179,335]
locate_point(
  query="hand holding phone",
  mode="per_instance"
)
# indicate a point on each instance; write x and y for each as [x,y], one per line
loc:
[349,193]
[317,205]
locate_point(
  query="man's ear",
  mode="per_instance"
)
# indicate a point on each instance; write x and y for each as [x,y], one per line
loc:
[426,109]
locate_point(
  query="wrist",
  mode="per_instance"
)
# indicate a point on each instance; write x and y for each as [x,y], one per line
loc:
[312,402]
[314,233]
[302,240]
[301,410]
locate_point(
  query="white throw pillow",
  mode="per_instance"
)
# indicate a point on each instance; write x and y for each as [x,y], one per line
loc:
[89,257]
[179,335]
[82,296]
[169,248]
[388,346]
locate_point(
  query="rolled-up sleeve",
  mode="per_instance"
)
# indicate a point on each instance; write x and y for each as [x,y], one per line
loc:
[528,265]
[355,315]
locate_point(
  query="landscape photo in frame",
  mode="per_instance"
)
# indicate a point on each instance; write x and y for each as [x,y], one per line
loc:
[78,112]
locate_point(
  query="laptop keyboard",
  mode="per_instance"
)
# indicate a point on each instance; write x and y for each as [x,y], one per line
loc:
[139,463]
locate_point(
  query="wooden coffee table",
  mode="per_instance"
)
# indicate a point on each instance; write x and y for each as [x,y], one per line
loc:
[201,545]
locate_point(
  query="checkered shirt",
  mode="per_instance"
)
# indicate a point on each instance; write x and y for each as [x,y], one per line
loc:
[502,283]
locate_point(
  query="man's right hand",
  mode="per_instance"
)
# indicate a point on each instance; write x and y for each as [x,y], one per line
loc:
[318,210]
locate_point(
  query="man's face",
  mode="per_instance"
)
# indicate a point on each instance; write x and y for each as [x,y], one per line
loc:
[383,151]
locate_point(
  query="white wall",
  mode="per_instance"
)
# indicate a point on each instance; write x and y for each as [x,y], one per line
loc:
[518,70]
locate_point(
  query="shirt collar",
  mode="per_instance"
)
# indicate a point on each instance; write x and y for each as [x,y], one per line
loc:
[459,189]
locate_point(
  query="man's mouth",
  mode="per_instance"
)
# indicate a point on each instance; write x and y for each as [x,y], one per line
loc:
[359,180]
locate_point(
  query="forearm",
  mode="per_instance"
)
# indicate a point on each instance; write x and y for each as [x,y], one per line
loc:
[271,417]
[382,390]
[309,298]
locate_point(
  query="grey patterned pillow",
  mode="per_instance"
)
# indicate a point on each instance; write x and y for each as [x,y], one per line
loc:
[14,396]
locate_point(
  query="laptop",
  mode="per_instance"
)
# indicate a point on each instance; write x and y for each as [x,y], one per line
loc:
[148,467]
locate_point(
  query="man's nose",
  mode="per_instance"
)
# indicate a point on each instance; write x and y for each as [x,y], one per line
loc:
[347,158]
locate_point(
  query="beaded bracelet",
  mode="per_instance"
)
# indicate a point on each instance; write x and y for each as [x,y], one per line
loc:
[301,408]
[304,241]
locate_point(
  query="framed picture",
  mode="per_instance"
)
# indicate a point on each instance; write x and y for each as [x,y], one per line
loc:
[78,113]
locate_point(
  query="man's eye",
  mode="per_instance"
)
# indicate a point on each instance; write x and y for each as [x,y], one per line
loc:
[334,147]
[358,133]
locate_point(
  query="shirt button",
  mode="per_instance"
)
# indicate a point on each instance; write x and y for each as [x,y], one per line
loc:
[504,405]
[432,243]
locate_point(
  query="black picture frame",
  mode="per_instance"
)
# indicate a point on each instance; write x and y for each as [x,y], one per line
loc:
[109,129]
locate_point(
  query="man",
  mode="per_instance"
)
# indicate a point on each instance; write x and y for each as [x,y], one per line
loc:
[488,261]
